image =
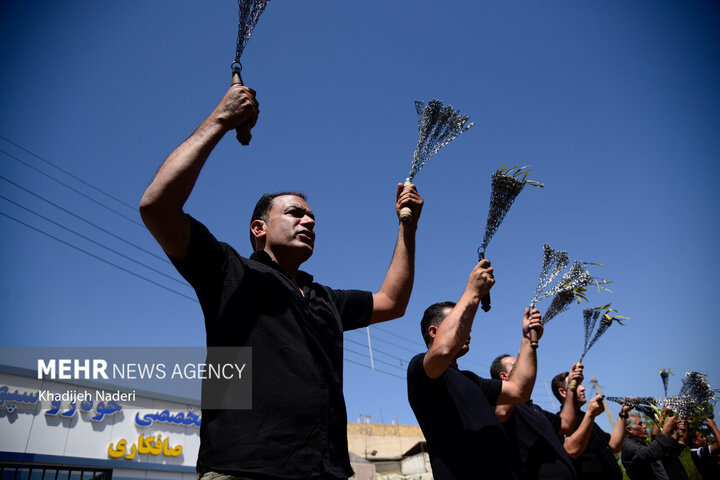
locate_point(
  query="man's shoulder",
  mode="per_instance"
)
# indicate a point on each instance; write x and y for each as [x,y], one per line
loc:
[415,366]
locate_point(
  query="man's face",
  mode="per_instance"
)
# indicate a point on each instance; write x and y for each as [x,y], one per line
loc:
[699,440]
[290,225]
[581,395]
[638,429]
[465,348]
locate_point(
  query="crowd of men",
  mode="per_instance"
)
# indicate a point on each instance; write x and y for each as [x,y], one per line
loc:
[475,427]
[489,428]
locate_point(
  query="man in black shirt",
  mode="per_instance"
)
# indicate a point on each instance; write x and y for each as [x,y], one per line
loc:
[652,462]
[704,456]
[592,450]
[534,432]
[455,408]
[297,427]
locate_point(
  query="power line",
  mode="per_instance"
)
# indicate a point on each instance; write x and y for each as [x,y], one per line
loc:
[73,189]
[375,327]
[131,207]
[377,360]
[98,258]
[376,370]
[415,351]
[94,242]
[84,219]
[395,344]
[384,353]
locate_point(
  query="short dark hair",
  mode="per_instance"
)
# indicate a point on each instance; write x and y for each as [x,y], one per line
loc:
[433,316]
[497,366]
[558,382]
[263,206]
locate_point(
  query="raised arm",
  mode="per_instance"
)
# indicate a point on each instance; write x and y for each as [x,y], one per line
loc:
[568,413]
[618,434]
[161,206]
[576,443]
[450,336]
[521,381]
[394,294]
[715,446]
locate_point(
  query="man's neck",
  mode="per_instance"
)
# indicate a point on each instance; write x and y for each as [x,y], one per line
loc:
[291,268]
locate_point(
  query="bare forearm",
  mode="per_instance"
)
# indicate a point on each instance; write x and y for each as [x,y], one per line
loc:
[454,330]
[617,436]
[519,385]
[568,414]
[526,368]
[576,443]
[715,446]
[176,177]
[161,207]
[451,335]
[394,294]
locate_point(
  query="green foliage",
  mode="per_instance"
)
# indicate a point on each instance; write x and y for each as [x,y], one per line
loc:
[689,465]
[520,173]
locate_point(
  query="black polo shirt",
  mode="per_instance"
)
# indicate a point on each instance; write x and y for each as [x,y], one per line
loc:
[598,461]
[534,433]
[456,413]
[297,427]
[705,462]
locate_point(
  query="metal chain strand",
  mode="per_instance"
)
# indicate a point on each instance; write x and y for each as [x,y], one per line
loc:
[505,188]
[557,260]
[564,291]
[559,303]
[437,126]
[604,325]
[590,318]
[665,375]
[248,13]
[695,399]
[574,278]
[641,404]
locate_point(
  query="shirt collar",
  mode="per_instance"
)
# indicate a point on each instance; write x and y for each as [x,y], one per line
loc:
[263,257]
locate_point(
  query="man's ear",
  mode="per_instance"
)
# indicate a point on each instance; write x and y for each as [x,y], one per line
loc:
[258,228]
[562,392]
[432,331]
[504,375]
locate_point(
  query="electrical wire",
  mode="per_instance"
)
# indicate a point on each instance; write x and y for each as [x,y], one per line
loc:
[73,189]
[95,242]
[376,350]
[98,257]
[84,220]
[122,202]
[375,370]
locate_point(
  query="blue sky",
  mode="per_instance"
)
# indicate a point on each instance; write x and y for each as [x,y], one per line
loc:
[614,105]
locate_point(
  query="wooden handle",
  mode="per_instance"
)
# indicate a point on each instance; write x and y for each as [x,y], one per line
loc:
[485,300]
[533,338]
[406,215]
[573,382]
[242,133]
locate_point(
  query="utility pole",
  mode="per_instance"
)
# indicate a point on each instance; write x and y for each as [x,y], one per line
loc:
[552,401]
[607,409]
[366,421]
[372,362]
